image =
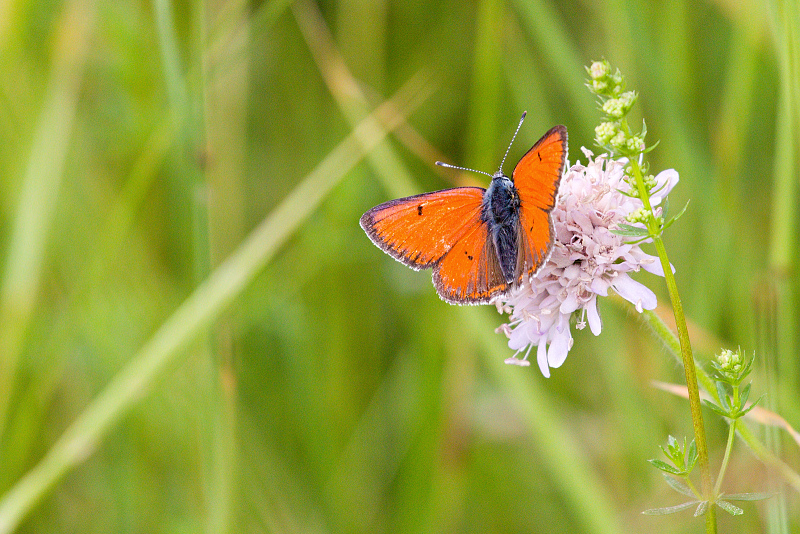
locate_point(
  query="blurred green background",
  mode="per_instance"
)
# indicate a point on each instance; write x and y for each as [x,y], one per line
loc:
[141,142]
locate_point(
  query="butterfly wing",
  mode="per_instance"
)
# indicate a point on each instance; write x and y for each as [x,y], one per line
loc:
[536,178]
[443,230]
[419,230]
[470,272]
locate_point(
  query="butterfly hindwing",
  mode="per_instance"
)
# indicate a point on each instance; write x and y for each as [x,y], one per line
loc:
[470,272]
[536,178]
[420,230]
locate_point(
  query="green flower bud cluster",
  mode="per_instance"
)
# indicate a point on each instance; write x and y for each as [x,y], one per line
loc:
[730,370]
[613,134]
[642,215]
[731,367]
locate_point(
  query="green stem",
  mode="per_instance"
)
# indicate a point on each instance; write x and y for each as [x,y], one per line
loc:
[728,448]
[686,353]
[691,486]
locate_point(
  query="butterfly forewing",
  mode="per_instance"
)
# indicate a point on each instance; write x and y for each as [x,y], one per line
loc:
[538,173]
[421,229]
[536,178]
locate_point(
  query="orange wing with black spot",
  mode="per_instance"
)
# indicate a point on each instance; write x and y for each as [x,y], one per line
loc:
[470,272]
[536,178]
[443,230]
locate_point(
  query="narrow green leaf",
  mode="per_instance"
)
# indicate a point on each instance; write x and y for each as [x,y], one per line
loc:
[674,218]
[679,486]
[730,508]
[748,366]
[664,466]
[637,241]
[749,496]
[691,457]
[670,509]
[630,231]
[716,409]
[722,391]
[744,395]
[701,509]
[744,412]
[650,148]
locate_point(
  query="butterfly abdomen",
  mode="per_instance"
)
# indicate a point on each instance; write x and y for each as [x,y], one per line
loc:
[501,213]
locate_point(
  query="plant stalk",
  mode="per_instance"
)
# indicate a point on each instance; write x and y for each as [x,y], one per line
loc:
[686,354]
[727,457]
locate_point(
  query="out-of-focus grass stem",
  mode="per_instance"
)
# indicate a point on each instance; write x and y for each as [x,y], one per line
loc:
[41,184]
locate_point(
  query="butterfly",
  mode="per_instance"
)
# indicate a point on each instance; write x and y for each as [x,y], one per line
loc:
[480,243]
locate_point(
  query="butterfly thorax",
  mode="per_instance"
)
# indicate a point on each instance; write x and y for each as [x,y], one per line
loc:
[501,212]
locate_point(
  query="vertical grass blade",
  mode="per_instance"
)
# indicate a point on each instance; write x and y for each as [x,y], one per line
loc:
[39,195]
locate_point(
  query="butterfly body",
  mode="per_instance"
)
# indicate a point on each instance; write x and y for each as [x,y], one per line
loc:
[500,212]
[481,243]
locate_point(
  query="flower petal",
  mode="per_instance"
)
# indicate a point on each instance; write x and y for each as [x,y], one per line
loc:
[541,358]
[654,266]
[634,292]
[595,325]
[665,181]
[559,347]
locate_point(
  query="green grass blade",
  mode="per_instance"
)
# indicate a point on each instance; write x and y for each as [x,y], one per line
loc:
[37,203]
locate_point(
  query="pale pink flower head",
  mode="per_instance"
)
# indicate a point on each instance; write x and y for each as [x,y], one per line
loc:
[587,260]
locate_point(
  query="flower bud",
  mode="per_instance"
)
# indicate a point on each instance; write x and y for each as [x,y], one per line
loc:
[605,131]
[599,69]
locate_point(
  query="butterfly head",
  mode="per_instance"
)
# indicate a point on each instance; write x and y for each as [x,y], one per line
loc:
[499,175]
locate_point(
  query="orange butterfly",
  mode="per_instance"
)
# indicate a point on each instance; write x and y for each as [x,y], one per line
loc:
[481,243]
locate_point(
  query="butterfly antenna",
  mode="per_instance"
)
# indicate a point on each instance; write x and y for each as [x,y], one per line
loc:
[442,164]
[512,140]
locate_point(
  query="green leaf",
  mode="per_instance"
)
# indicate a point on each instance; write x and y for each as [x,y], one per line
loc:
[680,213]
[673,219]
[648,149]
[730,508]
[691,456]
[747,366]
[749,496]
[679,486]
[701,509]
[753,405]
[637,241]
[722,391]
[670,509]
[716,409]
[744,395]
[672,442]
[664,466]
[627,230]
